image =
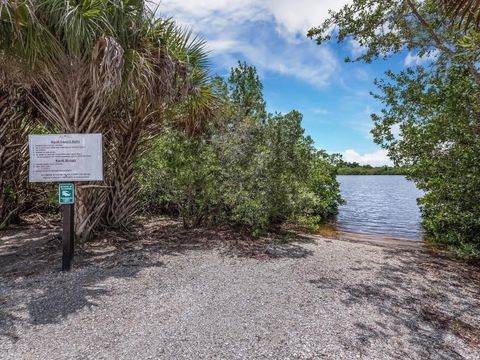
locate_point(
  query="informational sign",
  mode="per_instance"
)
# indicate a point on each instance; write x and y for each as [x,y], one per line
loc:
[66,194]
[66,157]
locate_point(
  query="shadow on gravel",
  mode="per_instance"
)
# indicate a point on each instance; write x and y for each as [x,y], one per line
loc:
[285,244]
[73,292]
[30,259]
[426,298]
[167,237]
[33,249]
[51,299]
[28,251]
[7,323]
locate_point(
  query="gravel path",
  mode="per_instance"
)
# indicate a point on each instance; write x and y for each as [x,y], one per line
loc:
[324,299]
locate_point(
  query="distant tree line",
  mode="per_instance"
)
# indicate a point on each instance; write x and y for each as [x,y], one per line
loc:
[354,168]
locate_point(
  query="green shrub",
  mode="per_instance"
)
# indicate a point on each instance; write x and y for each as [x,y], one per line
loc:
[213,179]
[255,171]
[438,113]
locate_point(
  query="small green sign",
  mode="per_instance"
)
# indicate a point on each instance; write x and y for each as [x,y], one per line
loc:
[66,194]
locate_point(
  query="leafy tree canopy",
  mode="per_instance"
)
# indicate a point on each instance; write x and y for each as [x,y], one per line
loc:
[255,170]
[386,27]
[431,117]
[246,90]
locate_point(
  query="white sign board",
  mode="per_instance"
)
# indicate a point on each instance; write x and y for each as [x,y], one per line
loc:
[66,157]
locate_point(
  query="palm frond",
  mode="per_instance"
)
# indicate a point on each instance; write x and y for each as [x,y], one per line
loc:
[467,12]
[78,24]
[107,65]
[23,35]
[199,110]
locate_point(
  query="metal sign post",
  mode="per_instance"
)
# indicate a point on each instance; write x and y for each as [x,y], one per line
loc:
[66,198]
[66,158]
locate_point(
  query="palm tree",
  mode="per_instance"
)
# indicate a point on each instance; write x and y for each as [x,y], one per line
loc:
[173,73]
[467,10]
[107,66]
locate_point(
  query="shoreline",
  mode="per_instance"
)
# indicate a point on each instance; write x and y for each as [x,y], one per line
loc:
[370,238]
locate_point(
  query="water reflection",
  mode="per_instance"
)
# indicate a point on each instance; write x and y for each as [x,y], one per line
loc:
[378,205]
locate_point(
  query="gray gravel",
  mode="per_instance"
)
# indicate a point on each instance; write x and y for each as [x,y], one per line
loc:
[330,300]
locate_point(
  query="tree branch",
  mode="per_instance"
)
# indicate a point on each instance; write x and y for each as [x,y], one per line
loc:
[438,42]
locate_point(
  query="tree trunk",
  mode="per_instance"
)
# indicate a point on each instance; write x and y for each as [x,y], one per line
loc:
[89,207]
[72,103]
[122,197]
[13,160]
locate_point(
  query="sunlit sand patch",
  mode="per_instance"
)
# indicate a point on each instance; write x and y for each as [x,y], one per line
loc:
[331,231]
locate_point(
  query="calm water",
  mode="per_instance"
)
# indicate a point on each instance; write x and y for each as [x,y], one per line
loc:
[384,205]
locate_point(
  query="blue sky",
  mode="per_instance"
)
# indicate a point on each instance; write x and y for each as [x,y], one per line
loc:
[297,74]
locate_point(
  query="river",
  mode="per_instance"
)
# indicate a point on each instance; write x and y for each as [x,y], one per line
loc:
[380,205]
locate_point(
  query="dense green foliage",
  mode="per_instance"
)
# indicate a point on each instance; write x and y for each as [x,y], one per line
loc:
[105,66]
[443,154]
[175,140]
[253,170]
[431,117]
[348,168]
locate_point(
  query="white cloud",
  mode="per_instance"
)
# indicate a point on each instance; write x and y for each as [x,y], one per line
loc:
[290,17]
[361,74]
[355,48]
[416,59]
[222,45]
[396,131]
[376,158]
[362,122]
[243,29]
[298,16]
[320,111]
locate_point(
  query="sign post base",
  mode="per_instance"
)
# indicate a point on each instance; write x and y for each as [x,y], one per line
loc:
[68,236]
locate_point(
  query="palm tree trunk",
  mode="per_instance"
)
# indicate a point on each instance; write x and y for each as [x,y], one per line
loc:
[13,160]
[71,103]
[122,198]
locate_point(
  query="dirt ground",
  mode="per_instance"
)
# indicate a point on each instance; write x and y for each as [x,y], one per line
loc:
[162,292]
